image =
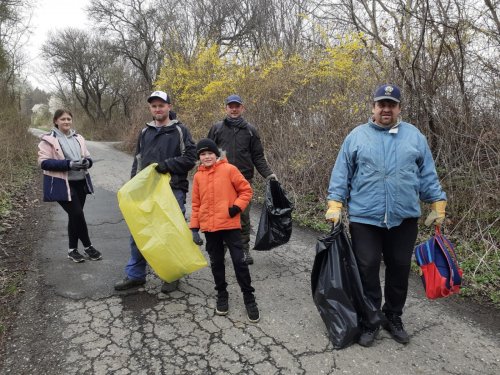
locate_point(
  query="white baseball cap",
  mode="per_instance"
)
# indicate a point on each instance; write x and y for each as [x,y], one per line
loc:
[159,95]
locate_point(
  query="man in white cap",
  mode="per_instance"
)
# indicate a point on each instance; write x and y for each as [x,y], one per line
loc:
[168,143]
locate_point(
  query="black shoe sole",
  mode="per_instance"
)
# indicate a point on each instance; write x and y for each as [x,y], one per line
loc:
[76,260]
[127,287]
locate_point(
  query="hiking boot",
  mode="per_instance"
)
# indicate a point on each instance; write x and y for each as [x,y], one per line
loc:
[75,256]
[368,336]
[222,304]
[92,253]
[169,287]
[127,283]
[394,325]
[247,257]
[253,314]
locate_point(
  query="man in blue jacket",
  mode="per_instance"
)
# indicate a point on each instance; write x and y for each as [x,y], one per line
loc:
[382,172]
[169,143]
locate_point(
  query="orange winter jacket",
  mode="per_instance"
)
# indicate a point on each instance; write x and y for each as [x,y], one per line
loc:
[215,189]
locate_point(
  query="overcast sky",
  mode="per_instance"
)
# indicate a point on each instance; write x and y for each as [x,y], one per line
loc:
[51,15]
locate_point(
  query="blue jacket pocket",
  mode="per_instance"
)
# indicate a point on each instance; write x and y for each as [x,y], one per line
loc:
[54,189]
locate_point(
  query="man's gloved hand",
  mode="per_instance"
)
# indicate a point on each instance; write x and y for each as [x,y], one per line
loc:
[334,212]
[272,177]
[234,210]
[437,214]
[76,165]
[162,167]
[196,236]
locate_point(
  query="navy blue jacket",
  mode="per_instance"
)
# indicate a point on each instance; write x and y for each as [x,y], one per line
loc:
[172,144]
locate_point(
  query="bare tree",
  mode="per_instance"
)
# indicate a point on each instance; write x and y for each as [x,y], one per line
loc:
[88,65]
[136,30]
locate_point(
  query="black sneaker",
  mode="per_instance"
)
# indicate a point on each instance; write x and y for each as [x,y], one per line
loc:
[394,325]
[169,287]
[253,314]
[127,283]
[247,257]
[92,253]
[75,256]
[368,336]
[222,304]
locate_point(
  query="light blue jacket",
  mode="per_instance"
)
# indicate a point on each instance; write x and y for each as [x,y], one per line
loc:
[383,173]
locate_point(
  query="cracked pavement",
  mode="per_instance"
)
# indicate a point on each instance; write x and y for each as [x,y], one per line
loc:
[71,321]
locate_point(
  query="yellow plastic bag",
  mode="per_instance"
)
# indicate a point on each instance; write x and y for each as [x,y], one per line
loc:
[158,226]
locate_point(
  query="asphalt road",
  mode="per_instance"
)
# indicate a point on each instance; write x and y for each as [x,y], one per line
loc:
[71,321]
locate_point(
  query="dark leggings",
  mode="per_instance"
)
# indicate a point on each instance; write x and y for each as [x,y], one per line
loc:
[370,244]
[77,226]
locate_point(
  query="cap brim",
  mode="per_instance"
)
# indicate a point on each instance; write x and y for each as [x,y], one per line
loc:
[379,98]
[234,101]
[150,99]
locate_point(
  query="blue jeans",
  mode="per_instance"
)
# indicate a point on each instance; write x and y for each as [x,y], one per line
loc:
[136,266]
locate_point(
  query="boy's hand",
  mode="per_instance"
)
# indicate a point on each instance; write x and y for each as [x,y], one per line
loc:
[196,236]
[234,210]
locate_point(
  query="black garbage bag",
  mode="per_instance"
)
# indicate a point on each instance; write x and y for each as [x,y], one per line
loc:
[275,225]
[337,290]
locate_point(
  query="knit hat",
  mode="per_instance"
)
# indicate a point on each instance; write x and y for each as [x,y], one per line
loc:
[207,144]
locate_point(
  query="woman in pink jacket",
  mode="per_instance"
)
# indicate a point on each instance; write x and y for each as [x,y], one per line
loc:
[64,158]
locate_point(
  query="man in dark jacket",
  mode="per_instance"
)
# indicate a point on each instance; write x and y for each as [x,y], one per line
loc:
[241,142]
[169,143]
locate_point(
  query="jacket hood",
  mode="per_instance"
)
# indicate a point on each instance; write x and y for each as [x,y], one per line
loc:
[239,122]
[382,128]
[171,122]
[221,160]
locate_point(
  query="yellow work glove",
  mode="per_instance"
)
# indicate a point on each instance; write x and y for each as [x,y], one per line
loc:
[437,214]
[334,212]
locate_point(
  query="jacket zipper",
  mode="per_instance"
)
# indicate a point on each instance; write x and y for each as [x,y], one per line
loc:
[385,180]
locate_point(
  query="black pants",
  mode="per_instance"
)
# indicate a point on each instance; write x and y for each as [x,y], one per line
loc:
[396,246]
[77,226]
[215,249]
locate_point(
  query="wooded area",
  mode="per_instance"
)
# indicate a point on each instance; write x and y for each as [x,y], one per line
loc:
[306,69]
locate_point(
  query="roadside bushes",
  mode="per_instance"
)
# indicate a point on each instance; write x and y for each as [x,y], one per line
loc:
[17,155]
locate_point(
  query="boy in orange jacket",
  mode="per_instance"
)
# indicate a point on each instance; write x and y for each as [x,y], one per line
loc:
[220,194]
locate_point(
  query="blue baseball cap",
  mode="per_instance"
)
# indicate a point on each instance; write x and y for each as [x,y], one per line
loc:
[387,92]
[233,99]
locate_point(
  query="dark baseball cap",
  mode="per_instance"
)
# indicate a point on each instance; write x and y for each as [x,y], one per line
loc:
[387,92]
[233,99]
[159,95]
